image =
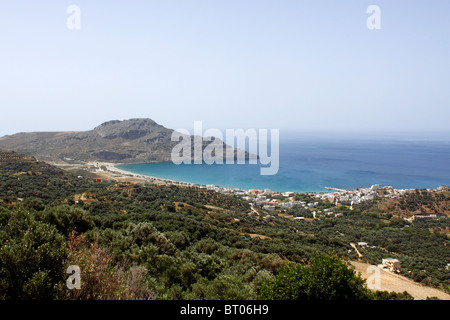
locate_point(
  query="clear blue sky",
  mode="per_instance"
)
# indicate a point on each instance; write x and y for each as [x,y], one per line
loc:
[285,64]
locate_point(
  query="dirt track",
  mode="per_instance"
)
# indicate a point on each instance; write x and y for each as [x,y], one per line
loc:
[390,281]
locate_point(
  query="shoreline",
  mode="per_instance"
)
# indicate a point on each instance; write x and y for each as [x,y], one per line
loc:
[115,173]
[112,172]
[112,168]
[266,197]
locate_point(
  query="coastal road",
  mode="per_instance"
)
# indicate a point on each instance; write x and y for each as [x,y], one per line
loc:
[356,249]
[253,209]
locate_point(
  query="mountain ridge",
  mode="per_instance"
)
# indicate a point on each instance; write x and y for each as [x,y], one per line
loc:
[136,140]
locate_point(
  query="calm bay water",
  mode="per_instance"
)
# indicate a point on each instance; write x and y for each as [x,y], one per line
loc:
[309,166]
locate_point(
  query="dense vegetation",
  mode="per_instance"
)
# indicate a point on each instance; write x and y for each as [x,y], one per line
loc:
[327,277]
[419,201]
[141,241]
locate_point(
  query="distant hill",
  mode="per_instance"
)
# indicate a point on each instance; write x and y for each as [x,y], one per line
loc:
[129,141]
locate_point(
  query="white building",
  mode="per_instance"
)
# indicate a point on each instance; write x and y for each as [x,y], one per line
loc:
[363,244]
[312,205]
[391,264]
[287,204]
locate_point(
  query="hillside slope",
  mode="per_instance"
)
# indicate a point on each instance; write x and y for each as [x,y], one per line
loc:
[193,243]
[129,141]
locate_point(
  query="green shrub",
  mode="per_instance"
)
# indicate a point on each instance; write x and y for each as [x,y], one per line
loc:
[327,277]
[32,254]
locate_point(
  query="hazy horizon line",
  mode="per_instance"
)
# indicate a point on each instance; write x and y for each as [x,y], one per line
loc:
[314,134]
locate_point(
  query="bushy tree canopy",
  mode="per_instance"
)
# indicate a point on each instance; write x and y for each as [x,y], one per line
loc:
[31,258]
[326,277]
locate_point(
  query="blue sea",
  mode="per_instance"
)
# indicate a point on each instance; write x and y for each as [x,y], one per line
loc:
[310,165]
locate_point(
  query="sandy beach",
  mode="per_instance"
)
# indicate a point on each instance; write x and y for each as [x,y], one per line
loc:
[109,171]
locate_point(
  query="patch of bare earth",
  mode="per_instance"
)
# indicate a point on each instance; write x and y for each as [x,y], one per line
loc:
[262,237]
[390,281]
